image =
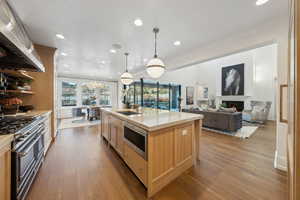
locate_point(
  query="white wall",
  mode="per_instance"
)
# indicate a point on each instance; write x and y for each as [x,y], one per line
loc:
[260,73]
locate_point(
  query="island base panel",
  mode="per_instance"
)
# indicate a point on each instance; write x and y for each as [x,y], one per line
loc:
[170,153]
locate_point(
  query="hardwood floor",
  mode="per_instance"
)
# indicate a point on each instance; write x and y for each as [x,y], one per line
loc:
[81,167]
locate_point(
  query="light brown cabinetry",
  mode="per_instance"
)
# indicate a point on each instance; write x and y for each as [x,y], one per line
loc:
[113,132]
[183,144]
[113,135]
[120,141]
[119,129]
[105,126]
[136,163]
[47,132]
[170,153]
[5,172]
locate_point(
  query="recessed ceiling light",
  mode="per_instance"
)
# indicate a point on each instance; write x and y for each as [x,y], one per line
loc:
[60,36]
[261,2]
[64,54]
[145,60]
[112,51]
[67,66]
[138,22]
[177,43]
[103,62]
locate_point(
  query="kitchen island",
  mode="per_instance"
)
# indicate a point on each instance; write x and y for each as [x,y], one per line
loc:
[157,145]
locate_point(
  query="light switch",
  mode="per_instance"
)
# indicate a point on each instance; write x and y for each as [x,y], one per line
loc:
[184,132]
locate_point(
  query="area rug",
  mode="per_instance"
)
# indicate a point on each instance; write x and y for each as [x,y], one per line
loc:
[76,122]
[245,132]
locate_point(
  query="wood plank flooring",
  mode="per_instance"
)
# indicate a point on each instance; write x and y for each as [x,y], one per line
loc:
[81,167]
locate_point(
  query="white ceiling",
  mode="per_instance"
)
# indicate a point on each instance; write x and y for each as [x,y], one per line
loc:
[91,27]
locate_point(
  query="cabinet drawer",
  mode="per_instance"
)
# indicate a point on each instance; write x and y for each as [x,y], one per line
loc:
[136,163]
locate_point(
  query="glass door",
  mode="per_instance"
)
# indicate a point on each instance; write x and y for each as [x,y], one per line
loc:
[150,95]
[138,93]
[164,97]
[175,93]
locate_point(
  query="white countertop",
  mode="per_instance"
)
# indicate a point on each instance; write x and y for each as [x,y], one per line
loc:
[5,140]
[155,119]
[31,113]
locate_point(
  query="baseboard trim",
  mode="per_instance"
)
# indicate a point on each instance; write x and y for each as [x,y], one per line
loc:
[280,162]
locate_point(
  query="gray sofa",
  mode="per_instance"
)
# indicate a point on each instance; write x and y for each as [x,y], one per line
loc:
[224,121]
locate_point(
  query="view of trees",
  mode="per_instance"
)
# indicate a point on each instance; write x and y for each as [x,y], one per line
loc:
[155,95]
[86,93]
[69,94]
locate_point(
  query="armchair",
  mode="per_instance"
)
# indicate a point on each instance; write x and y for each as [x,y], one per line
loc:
[259,112]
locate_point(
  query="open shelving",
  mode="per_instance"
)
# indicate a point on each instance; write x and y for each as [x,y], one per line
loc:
[18,74]
[16,92]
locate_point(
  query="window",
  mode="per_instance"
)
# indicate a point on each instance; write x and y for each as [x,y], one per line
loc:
[88,95]
[163,97]
[130,94]
[154,95]
[84,92]
[104,93]
[150,95]
[138,93]
[69,94]
[175,94]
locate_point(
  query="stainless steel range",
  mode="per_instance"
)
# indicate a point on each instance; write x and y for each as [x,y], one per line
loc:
[27,151]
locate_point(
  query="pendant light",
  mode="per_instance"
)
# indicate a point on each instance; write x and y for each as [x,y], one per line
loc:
[155,67]
[126,77]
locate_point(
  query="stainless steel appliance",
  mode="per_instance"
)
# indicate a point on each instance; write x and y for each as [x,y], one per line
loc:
[137,138]
[16,49]
[27,151]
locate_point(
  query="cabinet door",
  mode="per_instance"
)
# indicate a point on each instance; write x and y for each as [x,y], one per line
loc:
[113,135]
[5,173]
[183,144]
[120,138]
[105,126]
[136,163]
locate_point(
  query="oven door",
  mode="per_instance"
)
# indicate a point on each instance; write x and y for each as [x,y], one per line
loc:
[39,147]
[25,159]
[136,138]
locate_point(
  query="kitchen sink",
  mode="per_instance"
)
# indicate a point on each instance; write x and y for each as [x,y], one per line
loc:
[128,113]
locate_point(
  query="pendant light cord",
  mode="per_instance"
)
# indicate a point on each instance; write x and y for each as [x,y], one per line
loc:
[126,54]
[155,54]
[155,30]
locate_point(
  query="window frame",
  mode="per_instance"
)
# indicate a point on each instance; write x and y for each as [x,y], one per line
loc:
[112,85]
[61,99]
[158,85]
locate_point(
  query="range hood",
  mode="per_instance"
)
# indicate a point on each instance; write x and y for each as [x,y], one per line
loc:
[16,49]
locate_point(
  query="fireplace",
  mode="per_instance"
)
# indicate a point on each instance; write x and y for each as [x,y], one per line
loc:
[239,105]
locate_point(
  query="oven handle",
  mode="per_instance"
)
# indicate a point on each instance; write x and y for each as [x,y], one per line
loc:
[25,152]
